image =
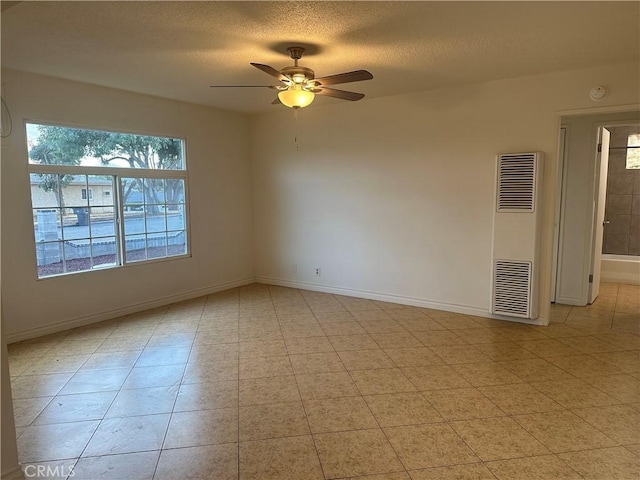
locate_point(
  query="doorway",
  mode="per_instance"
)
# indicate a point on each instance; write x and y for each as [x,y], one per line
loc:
[581,215]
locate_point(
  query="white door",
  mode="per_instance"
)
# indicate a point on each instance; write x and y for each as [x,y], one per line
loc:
[602,166]
[556,227]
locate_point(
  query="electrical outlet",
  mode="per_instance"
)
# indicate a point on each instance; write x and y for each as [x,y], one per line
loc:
[317,271]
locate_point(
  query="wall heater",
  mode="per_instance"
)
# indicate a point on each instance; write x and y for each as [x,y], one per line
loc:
[515,235]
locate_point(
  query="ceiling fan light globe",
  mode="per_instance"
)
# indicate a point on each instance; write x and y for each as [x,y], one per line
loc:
[296,97]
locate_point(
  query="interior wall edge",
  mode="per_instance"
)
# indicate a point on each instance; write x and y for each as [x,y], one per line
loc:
[14,473]
[85,320]
[385,297]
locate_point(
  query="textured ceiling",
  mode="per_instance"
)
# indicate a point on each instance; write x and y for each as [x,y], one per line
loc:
[177,49]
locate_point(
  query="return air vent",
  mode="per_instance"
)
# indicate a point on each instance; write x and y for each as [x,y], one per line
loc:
[512,288]
[517,182]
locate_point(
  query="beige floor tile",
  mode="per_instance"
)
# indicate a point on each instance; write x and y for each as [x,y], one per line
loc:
[608,463]
[520,333]
[216,336]
[26,410]
[207,354]
[460,322]
[19,365]
[520,398]
[57,469]
[311,363]
[297,346]
[365,359]
[339,414]
[207,372]
[261,367]
[504,351]
[623,388]
[262,348]
[476,336]
[147,377]
[87,381]
[634,449]
[173,340]
[413,357]
[498,438]
[545,467]
[471,471]
[535,370]
[397,409]
[462,404]
[361,452]
[437,338]
[622,341]
[456,354]
[163,356]
[627,362]
[29,386]
[407,314]
[481,374]
[75,408]
[75,347]
[257,391]
[54,442]
[563,431]
[30,349]
[143,401]
[219,462]
[371,314]
[301,330]
[201,396]
[342,328]
[432,445]
[104,361]
[374,382]
[549,347]
[326,385]
[584,366]
[574,393]
[128,435]
[274,420]
[202,427]
[291,458]
[343,343]
[437,377]
[589,344]
[140,466]
[57,364]
[621,423]
[396,340]
[332,316]
[383,476]
[419,324]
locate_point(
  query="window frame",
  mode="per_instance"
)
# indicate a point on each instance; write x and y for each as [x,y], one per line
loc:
[117,173]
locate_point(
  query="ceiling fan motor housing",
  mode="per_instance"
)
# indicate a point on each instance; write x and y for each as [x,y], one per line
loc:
[298,74]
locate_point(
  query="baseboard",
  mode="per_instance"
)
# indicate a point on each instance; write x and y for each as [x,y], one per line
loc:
[625,278]
[126,310]
[385,297]
[14,473]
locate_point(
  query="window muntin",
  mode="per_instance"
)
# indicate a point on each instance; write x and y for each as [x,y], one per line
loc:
[87,217]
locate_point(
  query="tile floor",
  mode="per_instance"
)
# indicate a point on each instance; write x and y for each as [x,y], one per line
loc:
[263,382]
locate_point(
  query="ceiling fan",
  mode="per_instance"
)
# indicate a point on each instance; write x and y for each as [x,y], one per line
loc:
[298,85]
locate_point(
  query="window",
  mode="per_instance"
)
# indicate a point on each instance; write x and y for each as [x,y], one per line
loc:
[104,199]
[633,152]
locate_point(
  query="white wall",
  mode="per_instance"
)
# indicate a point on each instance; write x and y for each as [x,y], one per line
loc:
[219,176]
[394,196]
[576,221]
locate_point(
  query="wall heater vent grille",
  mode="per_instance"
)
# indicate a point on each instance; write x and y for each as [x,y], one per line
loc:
[512,288]
[516,182]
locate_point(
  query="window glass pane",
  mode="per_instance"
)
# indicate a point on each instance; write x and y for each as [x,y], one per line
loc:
[135,248]
[175,217]
[100,188]
[49,258]
[174,190]
[74,191]
[133,194]
[44,190]
[77,255]
[633,152]
[46,224]
[103,221]
[157,245]
[103,251]
[177,243]
[156,222]
[55,145]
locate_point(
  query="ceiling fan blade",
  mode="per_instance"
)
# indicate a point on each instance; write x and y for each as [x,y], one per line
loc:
[355,76]
[243,86]
[271,71]
[341,94]
[276,101]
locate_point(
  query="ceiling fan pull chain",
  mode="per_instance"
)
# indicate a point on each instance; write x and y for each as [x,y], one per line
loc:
[295,134]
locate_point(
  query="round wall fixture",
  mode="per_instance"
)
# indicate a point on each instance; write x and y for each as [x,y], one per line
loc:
[598,93]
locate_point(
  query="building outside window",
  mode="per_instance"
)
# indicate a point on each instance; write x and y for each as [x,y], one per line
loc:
[105,199]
